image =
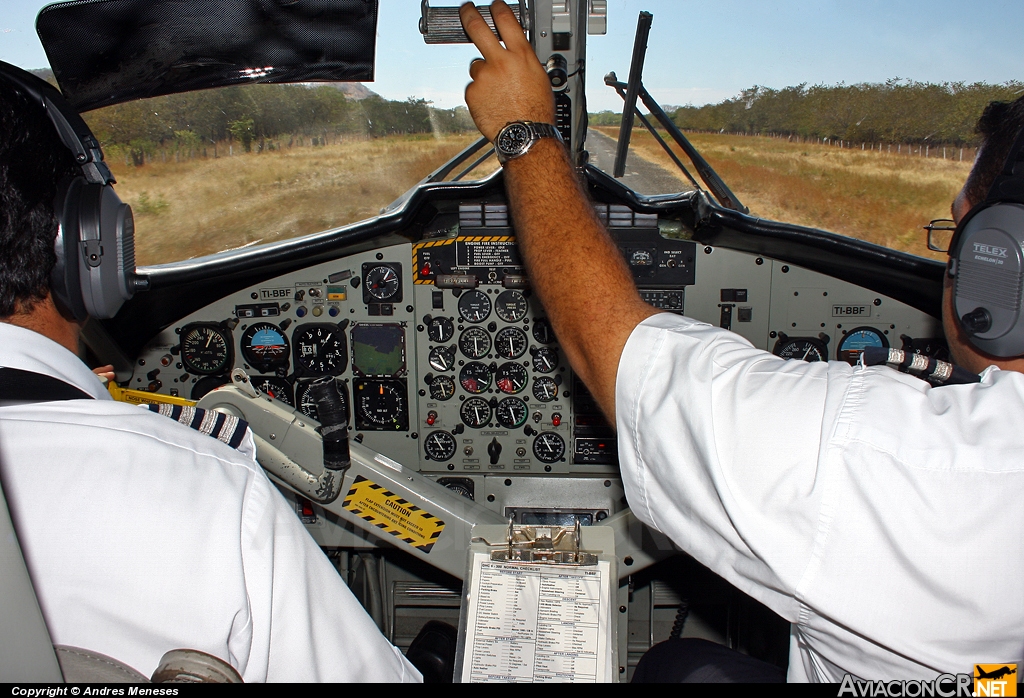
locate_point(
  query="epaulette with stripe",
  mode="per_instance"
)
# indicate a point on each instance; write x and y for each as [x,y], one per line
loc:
[223,427]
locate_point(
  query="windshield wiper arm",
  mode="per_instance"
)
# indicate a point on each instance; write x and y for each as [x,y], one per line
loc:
[635,89]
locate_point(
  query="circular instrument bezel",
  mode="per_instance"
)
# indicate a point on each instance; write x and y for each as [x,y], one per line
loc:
[852,356]
[339,348]
[474,306]
[511,378]
[484,340]
[511,306]
[225,356]
[474,407]
[440,329]
[264,363]
[542,331]
[505,406]
[539,365]
[539,384]
[466,374]
[439,393]
[439,446]
[309,409]
[395,418]
[278,388]
[802,346]
[391,285]
[548,455]
[514,338]
[442,358]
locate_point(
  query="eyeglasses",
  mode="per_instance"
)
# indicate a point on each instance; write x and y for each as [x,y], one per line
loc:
[940,234]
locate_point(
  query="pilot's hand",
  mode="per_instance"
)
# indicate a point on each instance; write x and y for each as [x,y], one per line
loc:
[509,83]
[105,372]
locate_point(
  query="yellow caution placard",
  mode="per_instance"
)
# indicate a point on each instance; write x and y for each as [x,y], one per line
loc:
[392,514]
[142,397]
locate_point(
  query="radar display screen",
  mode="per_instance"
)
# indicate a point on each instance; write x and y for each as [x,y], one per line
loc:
[378,350]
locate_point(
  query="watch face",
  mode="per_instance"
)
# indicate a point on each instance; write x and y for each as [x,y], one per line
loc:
[513,140]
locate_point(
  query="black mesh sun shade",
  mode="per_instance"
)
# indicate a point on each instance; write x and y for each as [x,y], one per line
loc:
[109,51]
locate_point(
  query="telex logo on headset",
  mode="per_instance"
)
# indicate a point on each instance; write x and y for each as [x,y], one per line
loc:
[987,680]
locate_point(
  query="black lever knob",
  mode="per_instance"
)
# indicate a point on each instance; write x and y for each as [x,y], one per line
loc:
[494,450]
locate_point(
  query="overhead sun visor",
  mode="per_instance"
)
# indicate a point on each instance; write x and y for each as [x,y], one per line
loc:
[105,52]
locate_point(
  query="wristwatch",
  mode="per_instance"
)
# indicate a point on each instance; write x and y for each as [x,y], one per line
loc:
[516,138]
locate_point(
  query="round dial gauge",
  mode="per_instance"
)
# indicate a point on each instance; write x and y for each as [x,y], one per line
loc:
[542,331]
[439,445]
[205,349]
[475,412]
[276,388]
[804,348]
[475,377]
[545,359]
[442,358]
[510,343]
[381,404]
[265,346]
[511,413]
[440,330]
[511,306]
[474,306]
[513,140]
[382,283]
[545,389]
[442,388]
[305,400]
[320,350]
[854,342]
[475,342]
[511,378]
[548,447]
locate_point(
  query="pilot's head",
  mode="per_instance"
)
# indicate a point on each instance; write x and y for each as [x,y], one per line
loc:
[33,161]
[998,126]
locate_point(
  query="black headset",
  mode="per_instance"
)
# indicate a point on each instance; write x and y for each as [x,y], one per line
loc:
[95,243]
[986,259]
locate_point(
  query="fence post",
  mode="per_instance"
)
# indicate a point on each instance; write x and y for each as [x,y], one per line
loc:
[961,155]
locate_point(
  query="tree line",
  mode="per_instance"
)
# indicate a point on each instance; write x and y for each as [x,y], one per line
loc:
[896,111]
[260,117]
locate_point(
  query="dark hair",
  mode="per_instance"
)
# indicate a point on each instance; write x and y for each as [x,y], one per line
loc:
[33,161]
[999,125]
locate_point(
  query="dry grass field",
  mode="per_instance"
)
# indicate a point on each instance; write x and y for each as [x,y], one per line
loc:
[201,206]
[880,197]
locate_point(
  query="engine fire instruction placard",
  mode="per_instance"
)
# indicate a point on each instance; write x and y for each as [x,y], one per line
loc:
[533,623]
[392,514]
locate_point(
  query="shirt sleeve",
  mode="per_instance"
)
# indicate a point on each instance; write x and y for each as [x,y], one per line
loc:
[305,625]
[719,449]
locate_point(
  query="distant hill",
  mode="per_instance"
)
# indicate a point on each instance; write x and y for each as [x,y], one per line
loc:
[355,90]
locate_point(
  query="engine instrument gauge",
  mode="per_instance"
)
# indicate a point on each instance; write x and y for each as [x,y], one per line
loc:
[545,359]
[548,447]
[545,389]
[511,306]
[475,377]
[439,445]
[265,347]
[475,412]
[442,358]
[854,342]
[803,348]
[511,378]
[382,282]
[474,306]
[306,404]
[510,343]
[320,349]
[511,413]
[475,342]
[381,405]
[442,388]
[542,331]
[277,388]
[205,348]
[440,329]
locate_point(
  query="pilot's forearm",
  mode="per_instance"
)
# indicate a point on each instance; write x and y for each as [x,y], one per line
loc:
[575,268]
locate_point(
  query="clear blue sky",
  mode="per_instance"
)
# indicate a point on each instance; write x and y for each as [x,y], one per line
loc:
[702,51]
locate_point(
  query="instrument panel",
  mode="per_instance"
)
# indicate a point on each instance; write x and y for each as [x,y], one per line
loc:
[447,362]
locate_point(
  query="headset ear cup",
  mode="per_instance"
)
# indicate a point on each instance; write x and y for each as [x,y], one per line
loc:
[65,284]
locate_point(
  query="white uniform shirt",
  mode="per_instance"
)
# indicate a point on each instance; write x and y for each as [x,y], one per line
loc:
[143,536]
[880,516]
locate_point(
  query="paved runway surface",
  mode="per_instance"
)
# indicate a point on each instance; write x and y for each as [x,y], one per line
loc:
[641,175]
